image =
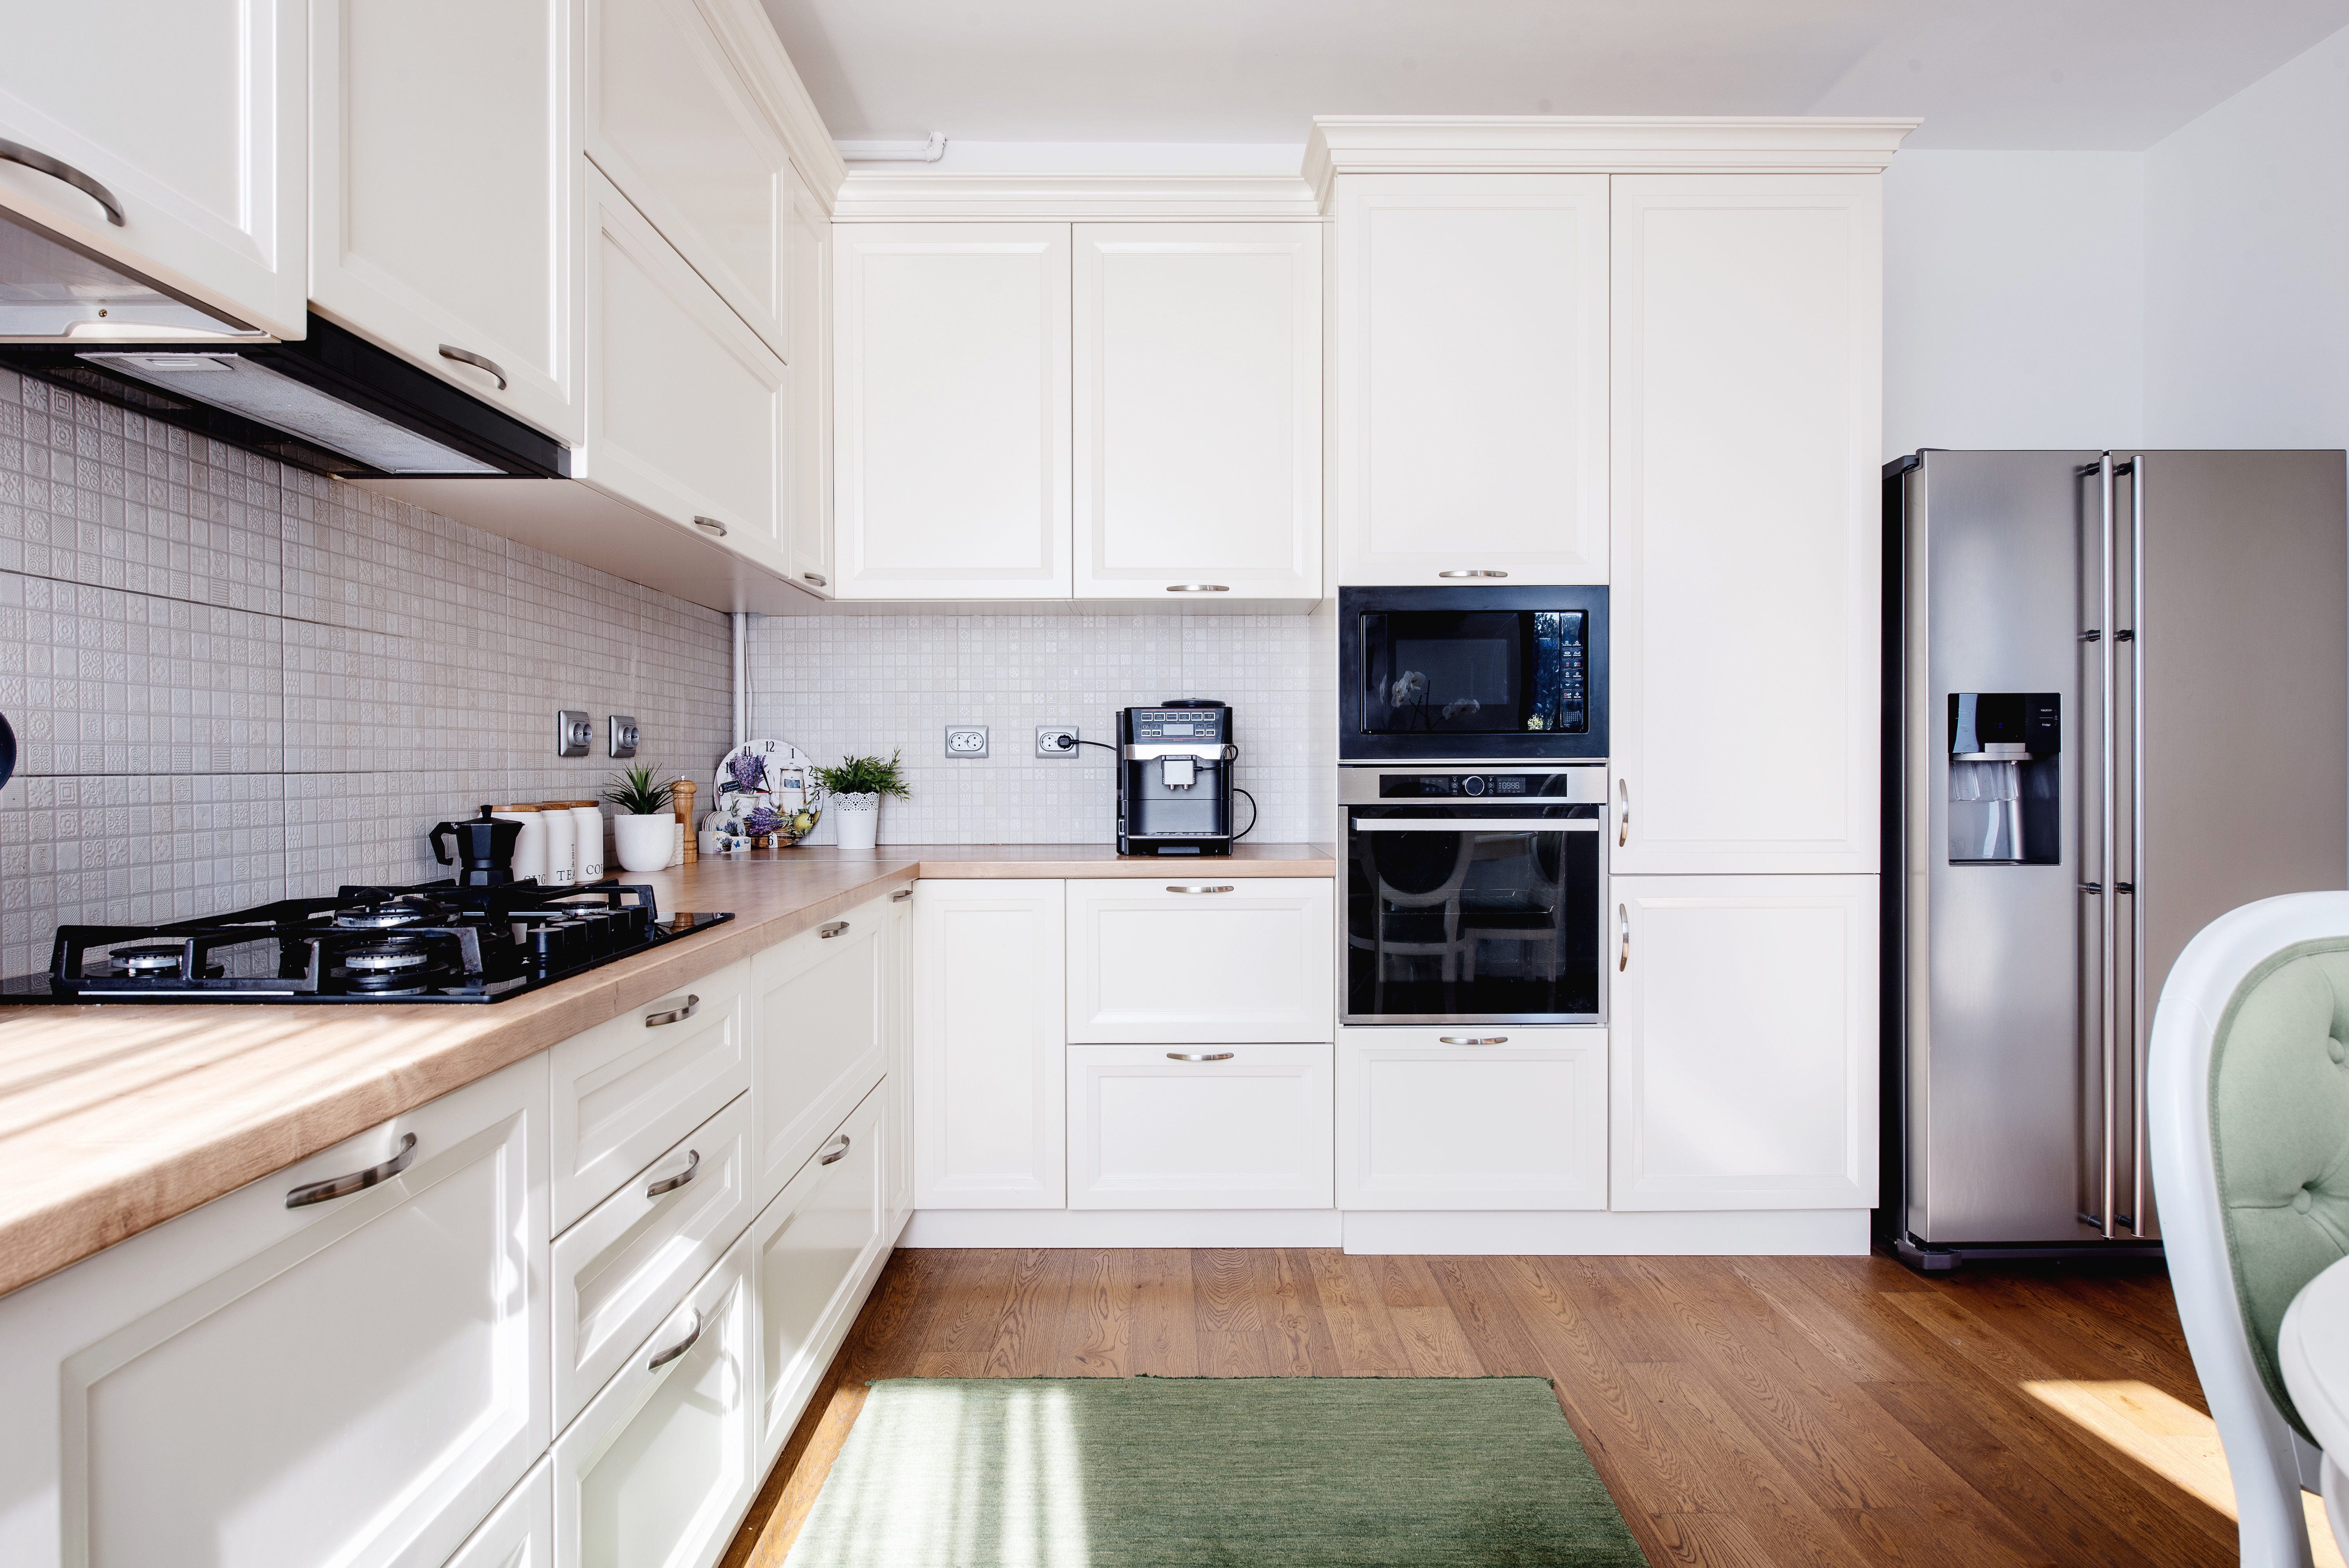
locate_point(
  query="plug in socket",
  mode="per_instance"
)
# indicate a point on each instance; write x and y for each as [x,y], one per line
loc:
[1056,740]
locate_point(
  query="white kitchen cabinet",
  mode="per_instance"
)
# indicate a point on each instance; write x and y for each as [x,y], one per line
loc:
[1743,1042]
[1515,1120]
[1198,409]
[989,1017]
[657,1472]
[521,1533]
[1747,349]
[1199,1126]
[813,1253]
[193,116]
[689,413]
[672,124]
[808,534]
[822,1005]
[1470,377]
[445,192]
[1196,956]
[951,476]
[358,1379]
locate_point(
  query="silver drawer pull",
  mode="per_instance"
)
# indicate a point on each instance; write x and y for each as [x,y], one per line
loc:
[831,929]
[1472,1039]
[710,526]
[674,1014]
[901,895]
[1473,572]
[677,1349]
[1199,1055]
[1623,832]
[1200,887]
[358,1181]
[818,578]
[467,356]
[1197,588]
[1623,960]
[58,168]
[671,1184]
[836,1154]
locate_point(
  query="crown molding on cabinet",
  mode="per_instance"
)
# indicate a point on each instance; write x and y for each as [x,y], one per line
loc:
[776,81]
[895,195]
[1594,144]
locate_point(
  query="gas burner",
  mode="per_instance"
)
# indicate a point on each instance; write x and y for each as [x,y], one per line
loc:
[391,913]
[149,961]
[395,965]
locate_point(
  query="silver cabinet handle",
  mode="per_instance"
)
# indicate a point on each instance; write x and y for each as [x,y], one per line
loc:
[674,1014]
[831,929]
[1623,829]
[1473,572]
[1199,1055]
[1472,1039]
[58,168]
[671,1184]
[1623,959]
[710,526]
[358,1181]
[1200,887]
[835,1157]
[818,578]
[479,362]
[901,895]
[663,1358]
[1197,588]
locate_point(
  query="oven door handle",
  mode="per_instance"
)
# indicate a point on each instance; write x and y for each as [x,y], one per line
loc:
[1476,825]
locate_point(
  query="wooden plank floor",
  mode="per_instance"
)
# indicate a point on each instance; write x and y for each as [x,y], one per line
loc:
[1829,1412]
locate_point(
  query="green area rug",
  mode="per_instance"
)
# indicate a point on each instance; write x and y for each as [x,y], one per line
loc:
[1156,1472]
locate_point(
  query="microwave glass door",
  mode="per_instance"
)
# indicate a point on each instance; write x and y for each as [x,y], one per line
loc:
[1474,672]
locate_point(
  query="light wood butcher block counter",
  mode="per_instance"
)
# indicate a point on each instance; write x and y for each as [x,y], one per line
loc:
[114,1119]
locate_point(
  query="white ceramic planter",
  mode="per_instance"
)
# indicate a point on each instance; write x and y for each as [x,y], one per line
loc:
[855,819]
[644,842]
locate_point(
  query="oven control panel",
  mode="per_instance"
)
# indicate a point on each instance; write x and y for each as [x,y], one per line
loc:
[1487,786]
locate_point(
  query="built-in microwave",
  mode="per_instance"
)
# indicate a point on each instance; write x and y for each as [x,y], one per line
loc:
[1472,674]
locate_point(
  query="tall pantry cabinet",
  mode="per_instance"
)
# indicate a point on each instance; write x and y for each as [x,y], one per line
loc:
[1648,353]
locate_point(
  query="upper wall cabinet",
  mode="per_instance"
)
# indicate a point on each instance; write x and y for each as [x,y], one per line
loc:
[809,543]
[191,117]
[445,192]
[951,410]
[671,123]
[1198,409]
[1470,377]
[1747,351]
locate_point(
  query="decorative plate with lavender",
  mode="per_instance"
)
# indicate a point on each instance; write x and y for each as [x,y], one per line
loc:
[768,787]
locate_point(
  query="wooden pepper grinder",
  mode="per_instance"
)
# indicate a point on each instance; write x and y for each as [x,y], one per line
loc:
[680,796]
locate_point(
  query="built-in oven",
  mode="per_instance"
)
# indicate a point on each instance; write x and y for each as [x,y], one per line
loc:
[1473,895]
[1467,674]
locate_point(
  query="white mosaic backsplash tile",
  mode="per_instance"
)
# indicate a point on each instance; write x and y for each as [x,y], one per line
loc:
[833,685]
[233,681]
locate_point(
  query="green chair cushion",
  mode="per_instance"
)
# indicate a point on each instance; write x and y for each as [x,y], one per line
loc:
[2280,1136]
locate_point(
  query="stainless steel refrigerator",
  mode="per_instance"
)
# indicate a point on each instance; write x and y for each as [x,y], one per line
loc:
[2117,706]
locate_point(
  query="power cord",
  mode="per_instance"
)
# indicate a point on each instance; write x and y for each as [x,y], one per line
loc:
[1254,812]
[1104,744]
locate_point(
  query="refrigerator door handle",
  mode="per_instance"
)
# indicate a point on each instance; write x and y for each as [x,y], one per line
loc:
[2107,841]
[2135,469]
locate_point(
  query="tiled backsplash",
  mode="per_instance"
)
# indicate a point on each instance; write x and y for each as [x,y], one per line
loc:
[233,681]
[836,683]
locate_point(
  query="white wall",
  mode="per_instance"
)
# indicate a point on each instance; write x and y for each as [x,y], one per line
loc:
[2013,300]
[2247,265]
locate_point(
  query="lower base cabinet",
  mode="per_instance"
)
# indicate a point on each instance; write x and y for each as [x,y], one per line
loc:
[1199,1127]
[521,1533]
[1516,1120]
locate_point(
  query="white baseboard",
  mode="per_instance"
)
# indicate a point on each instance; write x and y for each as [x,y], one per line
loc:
[1122,1228]
[1713,1232]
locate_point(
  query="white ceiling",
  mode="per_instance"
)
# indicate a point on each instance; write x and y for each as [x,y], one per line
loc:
[2109,75]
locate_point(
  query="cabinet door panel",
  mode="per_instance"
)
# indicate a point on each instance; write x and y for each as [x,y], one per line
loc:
[194,114]
[952,410]
[1150,960]
[1198,409]
[1203,1127]
[437,118]
[989,1033]
[1748,347]
[820,1008]
[811,531]
[1470,375]
[1744,1043]
[521,1533]
[1517,1125]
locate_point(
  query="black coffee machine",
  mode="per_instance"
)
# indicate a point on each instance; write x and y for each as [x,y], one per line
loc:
[1175,778]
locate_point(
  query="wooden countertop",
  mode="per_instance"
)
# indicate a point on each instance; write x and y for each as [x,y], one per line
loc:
[115,1118]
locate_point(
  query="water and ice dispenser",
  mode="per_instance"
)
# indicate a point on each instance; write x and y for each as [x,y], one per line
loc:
[2005,804]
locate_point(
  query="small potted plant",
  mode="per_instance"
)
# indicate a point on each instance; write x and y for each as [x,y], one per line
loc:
[856,786]
[643,824]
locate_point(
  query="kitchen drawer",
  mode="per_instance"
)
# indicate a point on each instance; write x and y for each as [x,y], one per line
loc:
[658,1469]
[812,1251]
[1516,1121]
[621,1270]
[628,1089]
[1200,957]
[521,1533]
[822,1012]
[1200,1126]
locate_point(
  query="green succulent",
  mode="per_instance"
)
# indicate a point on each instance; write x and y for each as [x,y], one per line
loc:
[638,794]
[865,776]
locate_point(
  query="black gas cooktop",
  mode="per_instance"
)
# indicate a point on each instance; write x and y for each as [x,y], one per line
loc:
[433,942]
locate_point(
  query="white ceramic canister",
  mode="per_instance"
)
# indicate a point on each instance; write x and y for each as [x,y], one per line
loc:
[562,842]
[589,856]
[529,850]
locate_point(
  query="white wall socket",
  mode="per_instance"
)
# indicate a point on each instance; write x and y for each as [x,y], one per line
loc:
[966,740]
[1056,740]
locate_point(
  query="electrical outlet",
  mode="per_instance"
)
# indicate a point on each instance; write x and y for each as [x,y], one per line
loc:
[624,734]
[573,733]
[966,740]
[1056,740]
